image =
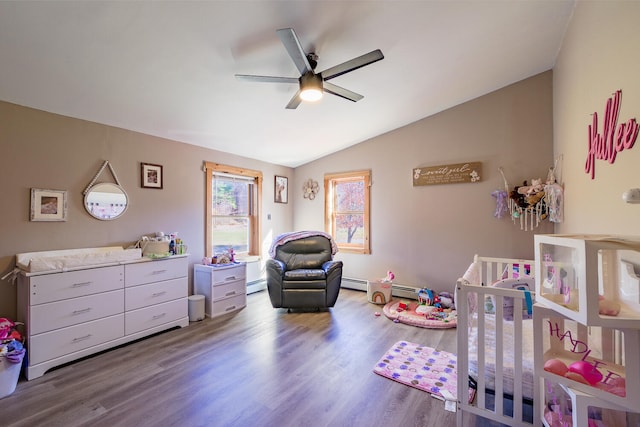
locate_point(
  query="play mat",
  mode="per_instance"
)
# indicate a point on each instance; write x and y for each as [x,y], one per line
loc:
[432,320]
[421,367]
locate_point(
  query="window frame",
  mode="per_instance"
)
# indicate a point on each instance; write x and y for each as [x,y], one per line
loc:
[255,227]
[330,181]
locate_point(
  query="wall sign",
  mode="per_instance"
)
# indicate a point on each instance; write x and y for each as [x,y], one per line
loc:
[614,137]
[447,174]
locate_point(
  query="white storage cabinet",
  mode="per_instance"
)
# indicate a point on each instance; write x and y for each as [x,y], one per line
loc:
[72,314]
[223,286]
[579,279]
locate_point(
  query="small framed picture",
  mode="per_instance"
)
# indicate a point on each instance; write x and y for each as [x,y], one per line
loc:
[151,175]
[48,205]
[281,189]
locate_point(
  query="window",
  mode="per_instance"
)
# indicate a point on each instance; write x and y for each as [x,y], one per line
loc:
[347,210]
[233,209]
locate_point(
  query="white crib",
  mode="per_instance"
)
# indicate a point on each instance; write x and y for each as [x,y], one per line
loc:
[498,338]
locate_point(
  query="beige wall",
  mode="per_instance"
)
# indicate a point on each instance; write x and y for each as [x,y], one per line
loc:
[428,235]
[599,56]
[43,150]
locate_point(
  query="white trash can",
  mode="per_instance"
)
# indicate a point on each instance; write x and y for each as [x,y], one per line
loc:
[196,308]
[9,375]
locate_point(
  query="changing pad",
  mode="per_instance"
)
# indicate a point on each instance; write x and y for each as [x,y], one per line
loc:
[33,262]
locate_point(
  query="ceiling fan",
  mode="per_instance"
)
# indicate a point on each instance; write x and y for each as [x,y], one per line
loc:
[312,84]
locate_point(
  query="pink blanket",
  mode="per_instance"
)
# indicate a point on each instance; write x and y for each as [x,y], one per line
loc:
[287,237]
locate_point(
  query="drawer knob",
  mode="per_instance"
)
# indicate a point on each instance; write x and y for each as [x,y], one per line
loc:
[230,278]
[158,294]
[233,307]
[78,285]
[230,293]
[159,271]
[84,310]
[83,338]
[159,316]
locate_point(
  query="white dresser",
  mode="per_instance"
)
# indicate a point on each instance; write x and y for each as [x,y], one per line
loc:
[72,314]
[223,286]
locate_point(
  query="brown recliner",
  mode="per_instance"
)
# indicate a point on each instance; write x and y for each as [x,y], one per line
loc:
[303,274]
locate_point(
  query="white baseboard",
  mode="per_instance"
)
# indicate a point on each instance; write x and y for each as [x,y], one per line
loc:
[397,290]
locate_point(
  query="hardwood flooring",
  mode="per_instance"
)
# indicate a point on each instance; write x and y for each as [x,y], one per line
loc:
[257,367]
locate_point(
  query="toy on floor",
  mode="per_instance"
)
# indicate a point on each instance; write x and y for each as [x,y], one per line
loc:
[429,301]
[402,305]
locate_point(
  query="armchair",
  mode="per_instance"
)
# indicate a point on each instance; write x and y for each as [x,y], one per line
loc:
[301,272]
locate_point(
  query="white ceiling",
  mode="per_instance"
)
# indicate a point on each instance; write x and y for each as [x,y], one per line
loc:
[167,68]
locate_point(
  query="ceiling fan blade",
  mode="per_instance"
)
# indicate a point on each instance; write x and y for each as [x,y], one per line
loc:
[341,92]
[297,54]
[270,79]
[353,64]
[295,101]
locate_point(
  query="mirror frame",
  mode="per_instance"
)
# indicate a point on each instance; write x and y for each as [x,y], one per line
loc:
[97,186]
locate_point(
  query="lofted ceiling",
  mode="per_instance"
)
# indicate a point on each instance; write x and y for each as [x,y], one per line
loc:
[167,68]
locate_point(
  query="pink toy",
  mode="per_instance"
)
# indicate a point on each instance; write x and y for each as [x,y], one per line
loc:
[608,307]
[576,377]
[556,366]
[586,370]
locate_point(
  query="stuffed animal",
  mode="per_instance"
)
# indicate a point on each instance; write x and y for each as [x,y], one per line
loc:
[535,187]
[532,199]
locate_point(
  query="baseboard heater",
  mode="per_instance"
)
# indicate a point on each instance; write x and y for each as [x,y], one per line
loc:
[397,290]
[256,286]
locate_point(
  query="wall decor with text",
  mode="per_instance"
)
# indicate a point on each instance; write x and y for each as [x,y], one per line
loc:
[614,137]
[447,174]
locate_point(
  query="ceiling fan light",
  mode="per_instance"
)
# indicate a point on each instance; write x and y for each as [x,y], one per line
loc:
[311,87]
[311,94]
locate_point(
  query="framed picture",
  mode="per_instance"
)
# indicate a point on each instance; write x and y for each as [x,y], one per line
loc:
[281,189]
[48,205]
[151,175]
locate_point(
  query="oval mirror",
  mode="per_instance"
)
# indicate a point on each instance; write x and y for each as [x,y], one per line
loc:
[106,201]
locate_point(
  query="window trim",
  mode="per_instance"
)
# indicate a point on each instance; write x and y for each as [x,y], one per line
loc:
[256,225]
[329,215]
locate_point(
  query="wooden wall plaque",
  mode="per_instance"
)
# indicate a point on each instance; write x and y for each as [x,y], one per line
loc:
[447,174]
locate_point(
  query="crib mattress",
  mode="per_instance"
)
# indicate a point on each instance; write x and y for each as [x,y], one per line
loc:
[508,360]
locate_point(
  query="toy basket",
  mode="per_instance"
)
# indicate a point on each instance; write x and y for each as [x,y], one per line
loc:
[378,292]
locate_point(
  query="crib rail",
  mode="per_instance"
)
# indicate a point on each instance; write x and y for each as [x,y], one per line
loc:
[492,269]
[490,401]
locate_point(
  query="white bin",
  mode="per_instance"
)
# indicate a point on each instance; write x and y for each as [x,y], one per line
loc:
[196,308]
[9,375]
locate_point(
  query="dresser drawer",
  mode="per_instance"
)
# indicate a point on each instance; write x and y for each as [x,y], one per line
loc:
[72,284]
[155,271]
[227,305]
[230,289]
[43,347]
[155,293]
[226,275]
[156,315]
[60,314]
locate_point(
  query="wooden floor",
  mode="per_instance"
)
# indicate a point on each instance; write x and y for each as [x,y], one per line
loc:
[258,367]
